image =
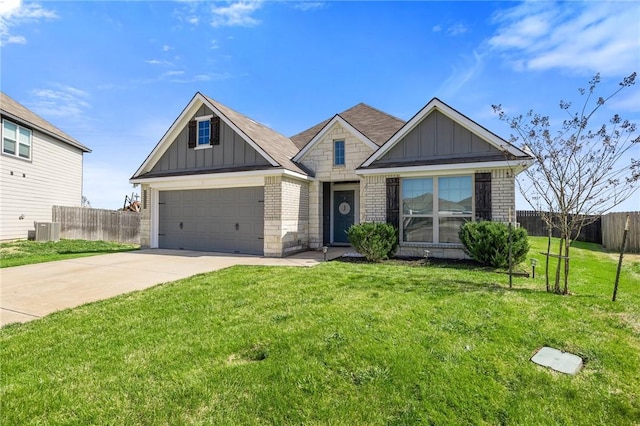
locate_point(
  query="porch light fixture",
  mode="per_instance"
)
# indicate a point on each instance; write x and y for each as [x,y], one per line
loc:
[325,249]
[534,262]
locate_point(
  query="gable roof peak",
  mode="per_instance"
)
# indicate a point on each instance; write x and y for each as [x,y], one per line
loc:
[367,106]
[490,137]
[271,145]
[376,125]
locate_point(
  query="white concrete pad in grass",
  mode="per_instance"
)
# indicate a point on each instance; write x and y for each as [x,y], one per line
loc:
[563,362]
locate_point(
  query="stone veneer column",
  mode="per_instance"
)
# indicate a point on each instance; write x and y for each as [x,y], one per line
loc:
[295,215]
[145,216]
[272,216]
[286,216]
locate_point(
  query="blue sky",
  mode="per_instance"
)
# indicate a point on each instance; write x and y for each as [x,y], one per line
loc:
[115,75]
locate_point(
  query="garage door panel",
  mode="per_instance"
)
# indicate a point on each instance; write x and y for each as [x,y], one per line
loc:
[209,218]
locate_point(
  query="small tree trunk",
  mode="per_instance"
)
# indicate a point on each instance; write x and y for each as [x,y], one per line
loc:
[546,270]
[556,286]
[567,245]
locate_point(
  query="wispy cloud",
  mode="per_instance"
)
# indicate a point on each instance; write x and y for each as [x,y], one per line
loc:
[14,13]
[158,62]
[456,29]
[172,73]
[61,101]
[235,14]
[452,30]
[309,5]
[462,74]
[181,77]
[581,37]
[202,78]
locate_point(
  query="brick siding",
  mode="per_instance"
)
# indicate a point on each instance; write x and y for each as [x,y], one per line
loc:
[286,216]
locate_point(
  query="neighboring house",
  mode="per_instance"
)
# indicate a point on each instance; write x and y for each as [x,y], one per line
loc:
[41,167]
[220,181]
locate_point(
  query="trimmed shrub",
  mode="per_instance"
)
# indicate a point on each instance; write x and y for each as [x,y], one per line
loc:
[488,243]
[376,241]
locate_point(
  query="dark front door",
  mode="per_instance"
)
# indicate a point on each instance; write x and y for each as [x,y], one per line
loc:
[343,214]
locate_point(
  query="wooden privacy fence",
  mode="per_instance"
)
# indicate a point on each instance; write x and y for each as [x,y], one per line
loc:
[613,230]
[97,224]
[536,227]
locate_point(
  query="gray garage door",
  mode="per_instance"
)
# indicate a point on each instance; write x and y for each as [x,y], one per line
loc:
[226,220]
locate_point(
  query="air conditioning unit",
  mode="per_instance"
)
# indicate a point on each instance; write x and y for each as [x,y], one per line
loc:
[48,231]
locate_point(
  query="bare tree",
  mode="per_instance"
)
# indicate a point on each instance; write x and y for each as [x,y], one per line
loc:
[582,168]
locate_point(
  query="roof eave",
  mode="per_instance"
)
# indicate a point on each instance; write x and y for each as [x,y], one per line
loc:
[68,141]
[518,166]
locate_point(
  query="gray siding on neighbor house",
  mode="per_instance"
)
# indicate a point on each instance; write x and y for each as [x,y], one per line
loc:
[438,137]
[233,151]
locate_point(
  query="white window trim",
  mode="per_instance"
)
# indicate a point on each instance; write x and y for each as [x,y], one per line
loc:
[198,121]
[17,154]
[435,215]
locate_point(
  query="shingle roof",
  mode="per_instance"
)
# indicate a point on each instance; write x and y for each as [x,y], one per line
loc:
[376,125]
[276,145]
[13,109]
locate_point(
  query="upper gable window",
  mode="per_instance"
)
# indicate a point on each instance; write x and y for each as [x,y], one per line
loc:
[338,153]
[204,131]
[16,140]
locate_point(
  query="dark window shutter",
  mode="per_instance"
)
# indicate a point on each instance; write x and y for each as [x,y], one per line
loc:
[215,130]
[483,196]
[192,134]
[393,201]
[326,213]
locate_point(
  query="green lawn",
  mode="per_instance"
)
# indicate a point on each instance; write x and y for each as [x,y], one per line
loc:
[24,252]
[340,343]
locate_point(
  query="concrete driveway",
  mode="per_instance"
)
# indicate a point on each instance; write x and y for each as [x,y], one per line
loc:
[33,291]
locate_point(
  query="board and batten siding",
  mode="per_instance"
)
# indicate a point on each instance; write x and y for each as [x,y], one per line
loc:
[438,137]
[29,189]
[233,151]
